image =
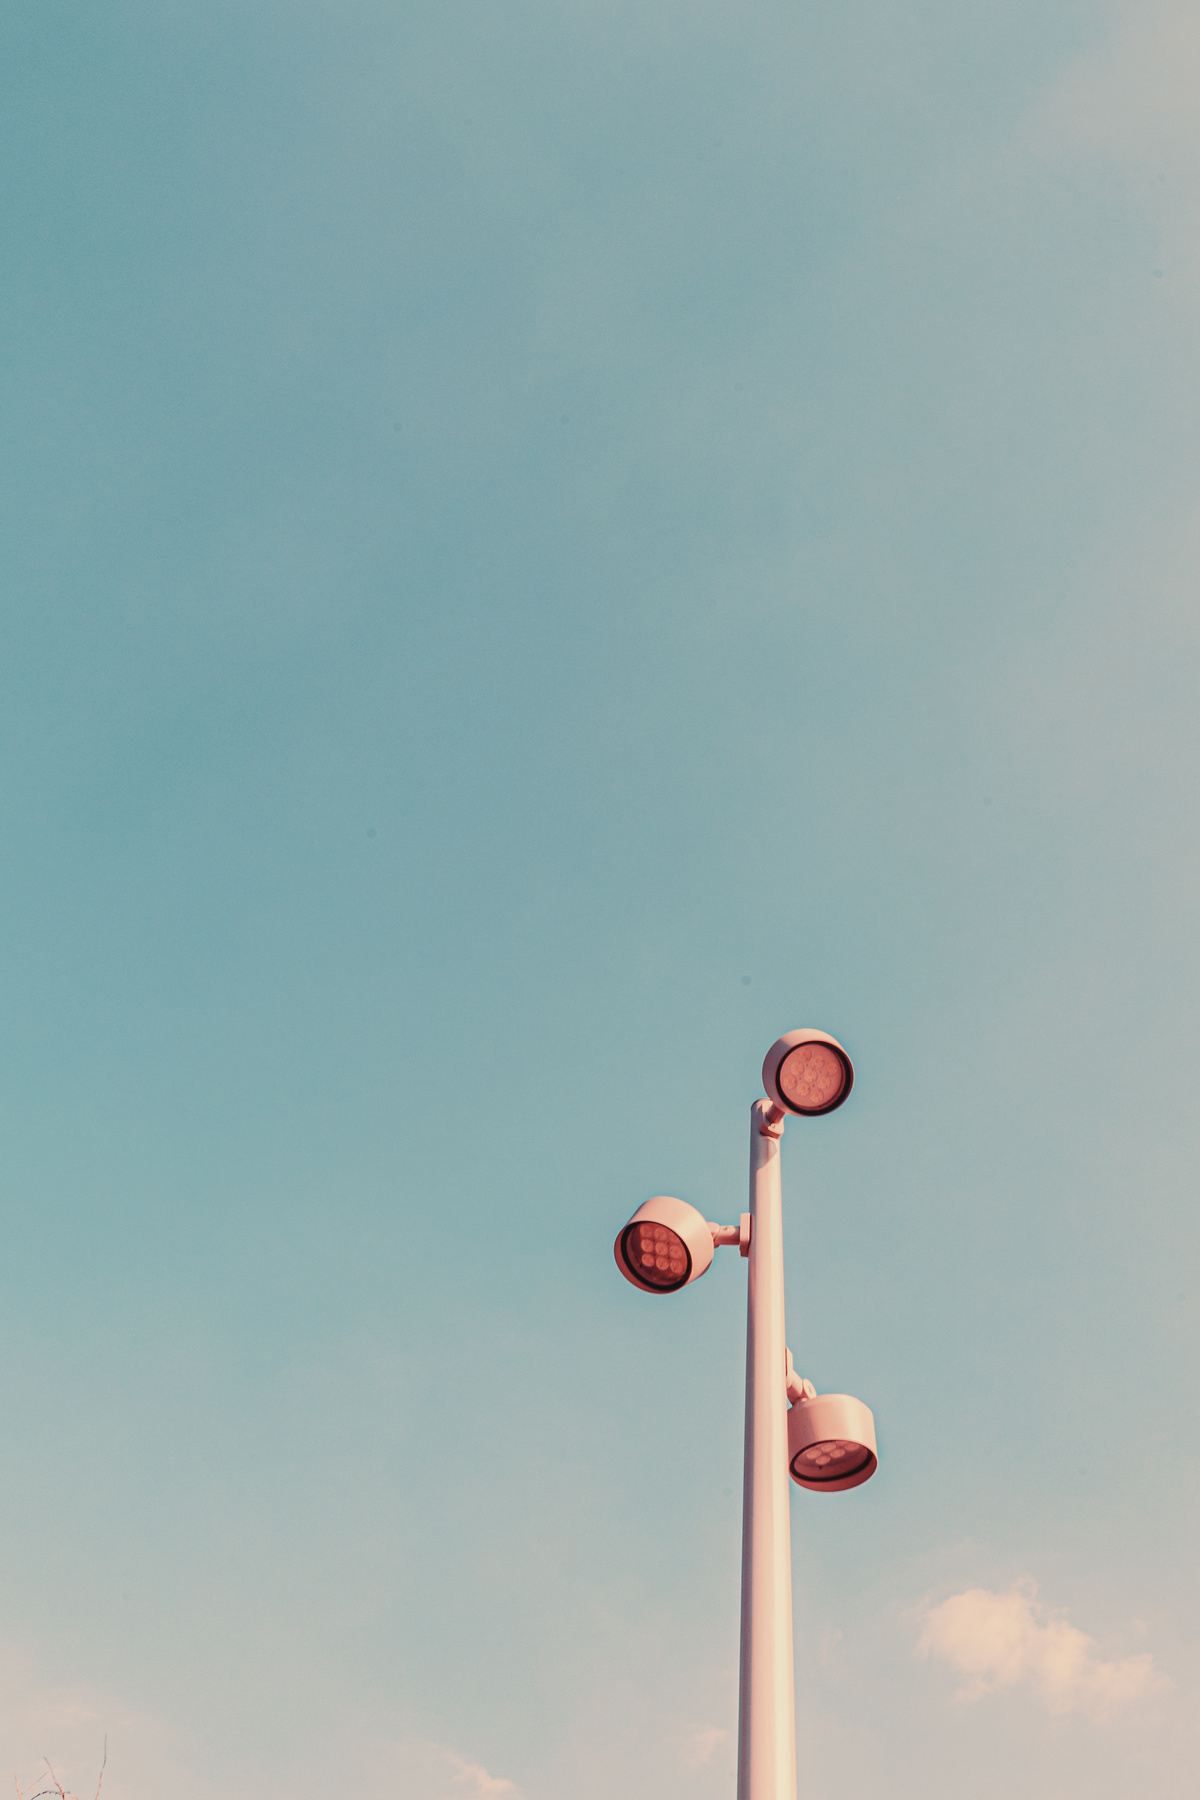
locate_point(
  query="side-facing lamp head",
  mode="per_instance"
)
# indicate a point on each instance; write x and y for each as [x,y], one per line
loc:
[807,1072]
[666,1244]
[831,1443]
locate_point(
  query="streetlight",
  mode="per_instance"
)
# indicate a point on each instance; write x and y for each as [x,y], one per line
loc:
[825,1441]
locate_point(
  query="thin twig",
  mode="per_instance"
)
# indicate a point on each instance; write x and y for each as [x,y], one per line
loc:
[48,1793]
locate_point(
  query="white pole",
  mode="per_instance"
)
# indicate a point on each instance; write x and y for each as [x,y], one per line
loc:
[767,1706]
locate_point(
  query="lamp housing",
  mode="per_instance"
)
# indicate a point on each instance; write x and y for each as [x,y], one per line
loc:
[665,1246]
[831,1443]
[807,1072]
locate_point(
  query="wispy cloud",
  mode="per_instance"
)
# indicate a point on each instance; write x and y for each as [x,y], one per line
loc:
[46,1723]
[1129,107]
[435,1772]
[701,1745]
[476,1776]
[1000,1640]
[1135,93]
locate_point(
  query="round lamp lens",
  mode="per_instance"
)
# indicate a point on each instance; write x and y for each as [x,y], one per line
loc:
[811,1077]
[657,1255]
[831,1461]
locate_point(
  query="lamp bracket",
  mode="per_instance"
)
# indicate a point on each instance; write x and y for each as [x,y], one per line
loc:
[739,1234]
[797,1387]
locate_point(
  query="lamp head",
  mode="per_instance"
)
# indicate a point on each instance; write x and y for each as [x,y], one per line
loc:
[831,1443]
[665,1245]
[807,1072]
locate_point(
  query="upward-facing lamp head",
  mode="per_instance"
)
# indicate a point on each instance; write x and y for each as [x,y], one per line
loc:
[807,1072]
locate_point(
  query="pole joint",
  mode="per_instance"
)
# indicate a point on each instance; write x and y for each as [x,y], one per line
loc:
[771,1119]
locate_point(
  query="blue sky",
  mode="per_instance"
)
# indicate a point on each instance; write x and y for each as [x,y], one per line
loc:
[544,547]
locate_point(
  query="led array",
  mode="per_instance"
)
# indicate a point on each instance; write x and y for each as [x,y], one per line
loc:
[811,1076]
[830,1455]
[657,1255]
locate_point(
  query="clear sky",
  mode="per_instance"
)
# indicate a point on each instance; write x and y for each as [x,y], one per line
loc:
[545,545]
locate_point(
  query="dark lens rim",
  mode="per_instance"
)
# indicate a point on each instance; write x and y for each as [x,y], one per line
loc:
[843,1093]
[654,1287]
[841,1473]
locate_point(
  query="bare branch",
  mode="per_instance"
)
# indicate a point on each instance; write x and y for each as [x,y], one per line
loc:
[56,1788]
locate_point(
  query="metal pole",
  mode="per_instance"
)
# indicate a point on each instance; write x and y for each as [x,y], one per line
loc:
[767,1705]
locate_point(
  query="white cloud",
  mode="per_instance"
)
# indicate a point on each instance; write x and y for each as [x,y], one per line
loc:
[1000,1640]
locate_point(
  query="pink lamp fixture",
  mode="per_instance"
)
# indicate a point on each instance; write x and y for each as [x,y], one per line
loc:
[825,1442]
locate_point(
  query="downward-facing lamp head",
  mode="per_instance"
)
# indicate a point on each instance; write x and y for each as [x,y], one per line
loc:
[831,1443]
